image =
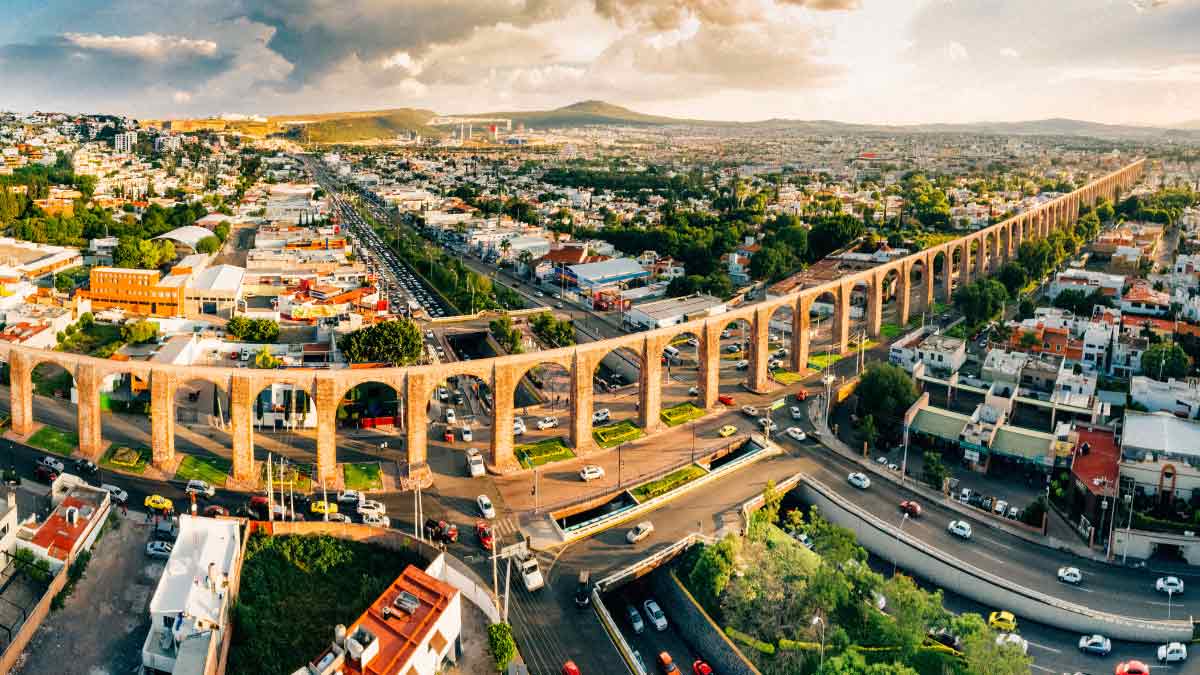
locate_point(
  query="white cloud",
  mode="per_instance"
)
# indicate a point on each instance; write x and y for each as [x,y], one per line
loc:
[151,46]
[1010,53]
[954,52]
[181,97]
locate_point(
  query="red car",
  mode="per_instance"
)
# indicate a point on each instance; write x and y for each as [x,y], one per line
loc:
[45,474]
[214,511]
[1132,668]
[911,507]
[484,532]
[701,668]
[725,399]
[569,668]
[802,395]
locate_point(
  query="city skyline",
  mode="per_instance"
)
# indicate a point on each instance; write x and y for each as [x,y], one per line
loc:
[1112,61]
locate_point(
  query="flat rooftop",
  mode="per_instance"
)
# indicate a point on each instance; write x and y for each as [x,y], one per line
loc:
[673,307]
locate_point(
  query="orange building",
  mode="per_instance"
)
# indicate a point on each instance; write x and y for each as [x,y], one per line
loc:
[1050,340]
[135,291]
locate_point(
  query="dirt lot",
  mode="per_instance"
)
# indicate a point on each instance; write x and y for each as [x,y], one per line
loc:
[101,629]
[476,660]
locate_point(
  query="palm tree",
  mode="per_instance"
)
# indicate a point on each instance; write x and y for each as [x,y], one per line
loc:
[526,258]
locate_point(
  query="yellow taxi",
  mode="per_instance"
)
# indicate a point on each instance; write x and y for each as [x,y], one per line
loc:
[159,503]
[727,431]
[323,507]
[1003,620]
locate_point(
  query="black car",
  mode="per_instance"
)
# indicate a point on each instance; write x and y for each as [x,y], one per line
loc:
[441,531]
[85,467]
[44,473]
[583,590]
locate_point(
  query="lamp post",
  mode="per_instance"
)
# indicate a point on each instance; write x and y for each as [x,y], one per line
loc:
[818,621]
[903,522]
[1128,527]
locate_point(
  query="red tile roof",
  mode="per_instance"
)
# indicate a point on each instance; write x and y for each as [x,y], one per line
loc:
[400,634]
[1096,470]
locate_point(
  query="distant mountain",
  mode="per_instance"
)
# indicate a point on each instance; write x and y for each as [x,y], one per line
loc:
[351,127]
[589,112]
[1190,124]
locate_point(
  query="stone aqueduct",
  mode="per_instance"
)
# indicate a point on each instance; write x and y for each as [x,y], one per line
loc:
[991,247]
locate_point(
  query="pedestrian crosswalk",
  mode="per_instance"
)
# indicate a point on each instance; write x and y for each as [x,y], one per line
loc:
[506,527]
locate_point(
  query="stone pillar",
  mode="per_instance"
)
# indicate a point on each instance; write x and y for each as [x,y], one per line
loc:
[903,292]
[87,384]
[417,388]
[841,318]
[948,274]
[760,352]
[163,385]
[964,269]
[241,427]
[708,357]
[327,405]
[20,375]
[650,383]
[928,283]
[875,304]
[801,325]
[583,393]
[505,378]
[981,265]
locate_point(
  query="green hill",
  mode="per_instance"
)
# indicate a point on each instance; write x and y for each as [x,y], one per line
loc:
[359,126]
[588,112]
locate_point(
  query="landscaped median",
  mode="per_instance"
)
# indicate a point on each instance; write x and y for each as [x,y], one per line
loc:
[679,414]
[615,434]
[362,476]
[545,451]
[54,440]
[210,469]
[126,458]
[671,481]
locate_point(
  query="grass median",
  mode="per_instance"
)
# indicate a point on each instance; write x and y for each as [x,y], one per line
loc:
[55,440]
[210,469]
[680,414]
[615,434]
[362,476]
[546,451]
[126,458]
[671,481]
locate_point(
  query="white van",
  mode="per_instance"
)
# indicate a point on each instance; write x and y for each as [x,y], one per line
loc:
[671,352]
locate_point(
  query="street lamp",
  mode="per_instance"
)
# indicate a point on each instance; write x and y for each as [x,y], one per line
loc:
[818,621]
[903,522]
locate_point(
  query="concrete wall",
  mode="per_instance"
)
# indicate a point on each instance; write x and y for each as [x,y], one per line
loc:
[948,572]
[32,622]
[995,244]
[693,624]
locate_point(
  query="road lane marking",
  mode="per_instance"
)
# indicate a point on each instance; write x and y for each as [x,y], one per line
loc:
[1044,669]
[1049,649]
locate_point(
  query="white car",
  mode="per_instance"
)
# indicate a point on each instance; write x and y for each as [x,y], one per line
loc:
[1169,585]
[693,342]
[768,425]
[547,423]
[1095,644]
[475,465]
[796,412]
[375,519]
[442,394]
[485,506]
[200,488]
[693,391]
[959,528]
[518,426]
[118,495]
[1013,639]
[639,532]
[859,480]
[531,575]
[467,435]
[52,463]
[796,433]
[601,415]
[1070,575]
[1000,507]
[350,497]
[742,365]
[591,472]
[451,417]
[749,411]
[371,506]
[1172,652]
[656,614]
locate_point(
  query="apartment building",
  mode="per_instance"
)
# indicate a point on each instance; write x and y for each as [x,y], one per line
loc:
[124,142]
[135,291]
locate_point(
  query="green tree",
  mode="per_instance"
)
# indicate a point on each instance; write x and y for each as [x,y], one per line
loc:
[63,283]
[264,360]
[885,392]
[1164,361]
[914,611]
[1025,308]
[1036,257]
[252,330]
[508,336]
[867,430]
[501,644]
[985,657]
[209,244]
[934,471]
[139,331]
[711,572]
[854,663]
[221,231]
[397,342]
[1014,278]
[1080,302]
[980,300]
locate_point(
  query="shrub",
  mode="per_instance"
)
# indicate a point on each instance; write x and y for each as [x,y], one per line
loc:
[750,641]
[501,644]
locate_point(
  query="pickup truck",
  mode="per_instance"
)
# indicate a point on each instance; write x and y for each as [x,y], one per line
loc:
[531,575]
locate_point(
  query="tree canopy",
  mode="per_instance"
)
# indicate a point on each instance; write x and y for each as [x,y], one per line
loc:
[397,342]
[252,330]
[980,300]
[1164,361]
[885,392]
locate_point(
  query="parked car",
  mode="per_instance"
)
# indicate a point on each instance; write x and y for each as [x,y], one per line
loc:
[44,473]
[1002,620]
[158,549]
[1000,507]
[158,503]
[200,489]
[665,665]
[376,520]
[639,532]
[655,614]
[600,416]
[343,518]
[1070,575]
[911,507]
[451,416]
[547,423]
[1172,652]
[52,463]
[859,480]
[591,472]
[118,495]
[1169,585]
[485,506]
[475,467]
[372,506]
[215,511]
[796,433]
[518,426]
[85,467]
[1095,644]
[959,528]
[350,497]
[1132,668]
[727,431]
[749,411]
[466,434]
[322,507]
[635,619]
[441,531]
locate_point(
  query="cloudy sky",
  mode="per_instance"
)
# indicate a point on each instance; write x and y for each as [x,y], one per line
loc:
[897,61]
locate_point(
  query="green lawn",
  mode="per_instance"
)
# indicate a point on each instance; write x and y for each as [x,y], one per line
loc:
[299,476]
[786,378]
[53,440]
[959,331]
[545,451]
[362,476]
[939,307]
[671,481]
[679,414]
[891,330]
[823,361]
[210,469]
[615,434]
[125,458]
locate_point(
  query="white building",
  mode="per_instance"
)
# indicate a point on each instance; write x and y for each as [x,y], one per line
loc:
[937,352]
[124,142]
[672,311]
[189,612]
[1178,397]
[1088,282]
